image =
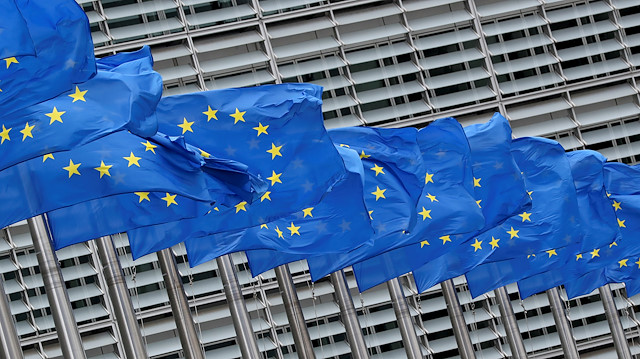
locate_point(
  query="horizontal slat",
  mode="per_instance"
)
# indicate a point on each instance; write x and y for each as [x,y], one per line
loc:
[461,97]
[306,47]
[385,31]
[575,12]
[149,28]
[520,44]
[400,69]
[435,21]
[377,53]
[244,80]
[228,13]
[454,78]
[538,108]
[598,68]
[531,82]
[505,6]
[511,25]
[607,114]
[447,38]
[234,61]
[524,63]
[405,109]
[451,58]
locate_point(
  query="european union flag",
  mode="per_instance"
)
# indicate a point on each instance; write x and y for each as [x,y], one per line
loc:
[491,170]
[15,39]
[597,218]
[122,96]
[396,176]
[339,222]
[62,53]
[115,164]
[277,130]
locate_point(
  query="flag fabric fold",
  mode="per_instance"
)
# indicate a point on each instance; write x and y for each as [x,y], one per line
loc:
[15,39]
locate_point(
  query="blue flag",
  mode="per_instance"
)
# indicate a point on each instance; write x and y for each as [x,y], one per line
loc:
[62,53]
[115,164]
[15,39]
[277,131]
[339,222]
[492,170]
[121,96]
[597,218]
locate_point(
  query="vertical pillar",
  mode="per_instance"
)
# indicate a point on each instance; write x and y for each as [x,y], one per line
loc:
[299,330]
[179,306]
[514,337]
[405,322]
[9,342]
[128,328]
[562,325]
[617,333]
[244,330]
[460,331]
[349,316]
[65,322]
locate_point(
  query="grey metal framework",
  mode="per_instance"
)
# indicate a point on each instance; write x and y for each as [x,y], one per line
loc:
[562,69]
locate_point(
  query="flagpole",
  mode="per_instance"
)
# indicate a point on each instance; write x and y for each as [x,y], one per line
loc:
[349,316]
[179,306]
[9,342]
[241,322]
[65,322]
[301,338]
[460,331]
[514,337]
[405,322]
[617,333]
[128,328]
[562,325]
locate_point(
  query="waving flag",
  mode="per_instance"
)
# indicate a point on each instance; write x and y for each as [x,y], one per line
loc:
[15,39]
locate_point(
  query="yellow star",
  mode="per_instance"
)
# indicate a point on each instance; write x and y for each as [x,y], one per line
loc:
[293,229]
[133,160]
[377,169]
[264,225]
[608,194]
[261,129]
[72,168]
[266,195]
[613,244]
[529,193]
[275,151]
[238,116]
[370,212]
[103,169]
[424,243]
[55,115]
[578,256]
[27,131]
[428,178]
[279,232]
[623,263]
[621,223]
[595,253]
[525,216]
[186,125]
[170,199]
[4,135]
[307,212]
[476,182]
[211,114]
[445,239]
[616,205]
[494,242]
[241,206]
[78,95]
[343,145]
[425,214]
[551,252]
[638,262]
[10,60]
[47,156]
[476,245]
[275,178]
[364,155]
[143,196]
[148,146]
[379,193]
[513,233]
[431,197]
[478,203]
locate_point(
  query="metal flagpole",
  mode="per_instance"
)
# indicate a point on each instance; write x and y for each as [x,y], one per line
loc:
[9,342]
[619,338]
[514,337]
[299,330]
[65,322]
[460,331]
[349,316]
[562,325]
[179,306]
[241,322]
[405,322]
[119,295]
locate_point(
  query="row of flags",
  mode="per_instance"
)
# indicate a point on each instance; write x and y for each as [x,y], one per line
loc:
[91,143]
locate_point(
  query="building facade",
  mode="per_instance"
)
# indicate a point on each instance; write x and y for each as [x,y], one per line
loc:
[566,70]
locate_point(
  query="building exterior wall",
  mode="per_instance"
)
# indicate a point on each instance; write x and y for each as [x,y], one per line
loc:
[566,70]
